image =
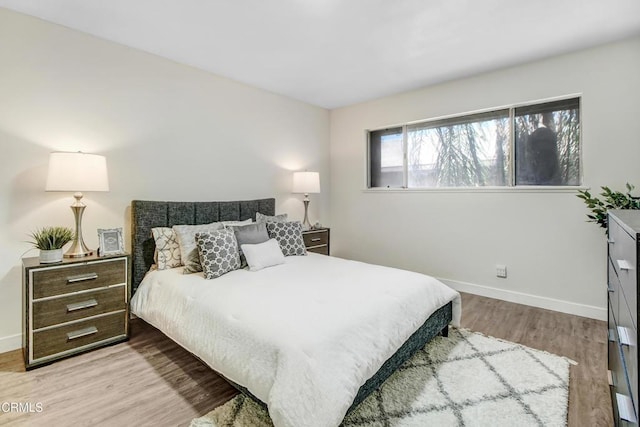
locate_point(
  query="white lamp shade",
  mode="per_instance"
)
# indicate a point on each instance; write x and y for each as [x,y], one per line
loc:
[306,182]
[77,172]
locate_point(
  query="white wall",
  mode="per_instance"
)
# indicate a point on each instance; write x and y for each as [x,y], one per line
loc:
[173,132]
[554,258]
[169,132]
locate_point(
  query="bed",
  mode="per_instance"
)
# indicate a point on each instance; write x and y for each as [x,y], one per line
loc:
[308,353]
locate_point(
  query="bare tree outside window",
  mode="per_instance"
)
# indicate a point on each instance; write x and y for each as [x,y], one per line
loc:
[475,150]
[464,152]
[547,146]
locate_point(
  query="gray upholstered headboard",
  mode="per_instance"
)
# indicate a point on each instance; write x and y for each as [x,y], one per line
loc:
[148,214]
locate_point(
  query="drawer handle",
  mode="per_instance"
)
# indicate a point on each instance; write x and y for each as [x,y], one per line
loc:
[82,333]
[623,264]
[610,289]
[611,335]
[81,305]
[625,408]
[626,336]
[316,239]
[610,241]
[82,277]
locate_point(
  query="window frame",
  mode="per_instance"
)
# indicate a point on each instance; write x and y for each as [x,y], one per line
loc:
[510,186]
[368,179]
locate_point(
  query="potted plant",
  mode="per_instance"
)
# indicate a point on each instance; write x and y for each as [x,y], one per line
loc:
[610,200]
[50,241]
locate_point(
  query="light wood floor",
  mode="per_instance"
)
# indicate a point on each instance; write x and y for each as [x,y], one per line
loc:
[151,381]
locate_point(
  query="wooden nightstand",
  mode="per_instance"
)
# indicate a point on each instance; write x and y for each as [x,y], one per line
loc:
[317,240]
[73,306]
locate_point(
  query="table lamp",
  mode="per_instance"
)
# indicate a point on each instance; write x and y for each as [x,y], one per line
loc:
[77,172]
[306,182]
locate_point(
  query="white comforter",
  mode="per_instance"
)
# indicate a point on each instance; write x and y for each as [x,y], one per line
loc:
[302,336]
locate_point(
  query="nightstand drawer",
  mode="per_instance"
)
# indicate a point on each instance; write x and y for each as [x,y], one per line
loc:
[73,306]
[70,337]
[315,238]
[324,250]
[69,279]
[78,306]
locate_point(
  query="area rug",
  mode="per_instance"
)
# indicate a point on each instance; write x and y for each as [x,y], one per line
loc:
[467,379]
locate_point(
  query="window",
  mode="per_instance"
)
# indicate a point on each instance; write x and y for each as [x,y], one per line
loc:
[386,158]
[522,145]
[547,146]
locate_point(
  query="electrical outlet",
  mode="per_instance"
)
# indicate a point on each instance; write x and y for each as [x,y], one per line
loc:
[501,271]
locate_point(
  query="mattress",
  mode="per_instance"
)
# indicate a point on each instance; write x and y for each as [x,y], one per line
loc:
[302,336]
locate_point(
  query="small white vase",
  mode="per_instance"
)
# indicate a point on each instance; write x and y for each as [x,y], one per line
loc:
[50,256]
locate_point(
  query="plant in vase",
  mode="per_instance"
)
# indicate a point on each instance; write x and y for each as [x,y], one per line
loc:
[610,200]
[50,241]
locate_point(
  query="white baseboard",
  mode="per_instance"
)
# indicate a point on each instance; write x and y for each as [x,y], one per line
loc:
[12,342]
[593,312]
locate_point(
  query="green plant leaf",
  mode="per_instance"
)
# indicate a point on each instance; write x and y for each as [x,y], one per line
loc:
[607,200]
[48,238]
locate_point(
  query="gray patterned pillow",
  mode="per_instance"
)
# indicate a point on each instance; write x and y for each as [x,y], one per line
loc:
[269,218]
[167,248]
[187,240]
[218,252]
[289,237]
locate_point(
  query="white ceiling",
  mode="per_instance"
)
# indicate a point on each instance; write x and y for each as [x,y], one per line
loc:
[333,53]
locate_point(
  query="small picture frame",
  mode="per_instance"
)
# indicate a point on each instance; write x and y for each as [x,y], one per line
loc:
[111,241]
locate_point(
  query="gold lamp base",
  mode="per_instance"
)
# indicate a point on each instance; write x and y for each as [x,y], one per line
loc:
[306,224]
[78,249]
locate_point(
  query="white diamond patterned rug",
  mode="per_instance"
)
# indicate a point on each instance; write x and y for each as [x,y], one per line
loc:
[466,379]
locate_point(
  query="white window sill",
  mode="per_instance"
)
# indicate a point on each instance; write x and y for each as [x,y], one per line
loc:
[518,189]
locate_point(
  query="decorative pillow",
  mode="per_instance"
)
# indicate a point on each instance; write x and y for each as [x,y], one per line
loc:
[269,218]
[218,252]
[249,234]
[167,248]
[289,236]
[262,255]
[188,248]
[234,223]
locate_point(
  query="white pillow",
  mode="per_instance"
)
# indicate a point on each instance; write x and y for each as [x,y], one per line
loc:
[233,223]
[188,248]
[262,255]
[271,218]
